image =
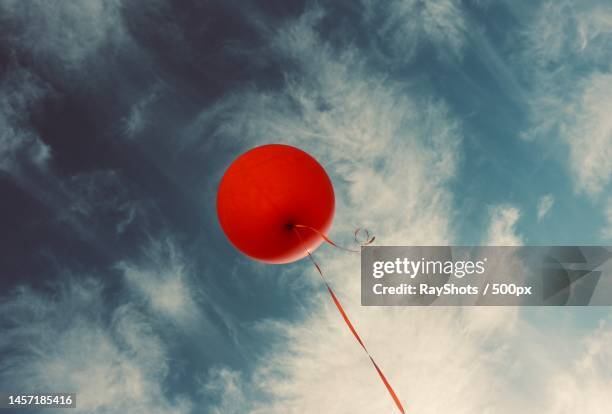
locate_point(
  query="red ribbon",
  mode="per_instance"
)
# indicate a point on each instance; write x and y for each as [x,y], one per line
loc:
[348,322]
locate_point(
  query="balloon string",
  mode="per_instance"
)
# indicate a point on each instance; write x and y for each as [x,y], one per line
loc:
[345,316]
[358,230]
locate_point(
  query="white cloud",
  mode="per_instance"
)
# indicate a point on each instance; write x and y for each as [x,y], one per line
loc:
[589,136]
[407,25]
[566,34]
[545,203]
[66,343]
[165,284]
[136,121]
[435,363]
[584,383]
[569,62]
[502,226]
[163,281]
[227,385]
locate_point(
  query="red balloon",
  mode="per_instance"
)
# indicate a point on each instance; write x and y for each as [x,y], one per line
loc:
[267,191]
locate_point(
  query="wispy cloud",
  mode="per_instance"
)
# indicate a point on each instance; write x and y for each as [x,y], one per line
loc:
[228,387]
[163,282]
[404,26]
[72,342]
[502,226]
[545,203]
[20,146]
[570,66]
[590,135]
[584,386]
[137,120]
[166,284]
[102,201]
[64,34]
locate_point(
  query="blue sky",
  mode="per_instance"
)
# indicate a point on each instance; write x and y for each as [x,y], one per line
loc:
[439,122]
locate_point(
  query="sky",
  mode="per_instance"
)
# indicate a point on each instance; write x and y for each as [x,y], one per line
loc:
[438,122]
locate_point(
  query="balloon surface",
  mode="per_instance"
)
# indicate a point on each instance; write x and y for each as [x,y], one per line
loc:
[268,190]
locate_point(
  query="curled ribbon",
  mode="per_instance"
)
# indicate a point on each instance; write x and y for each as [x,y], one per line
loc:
[359,230]
[367,240]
